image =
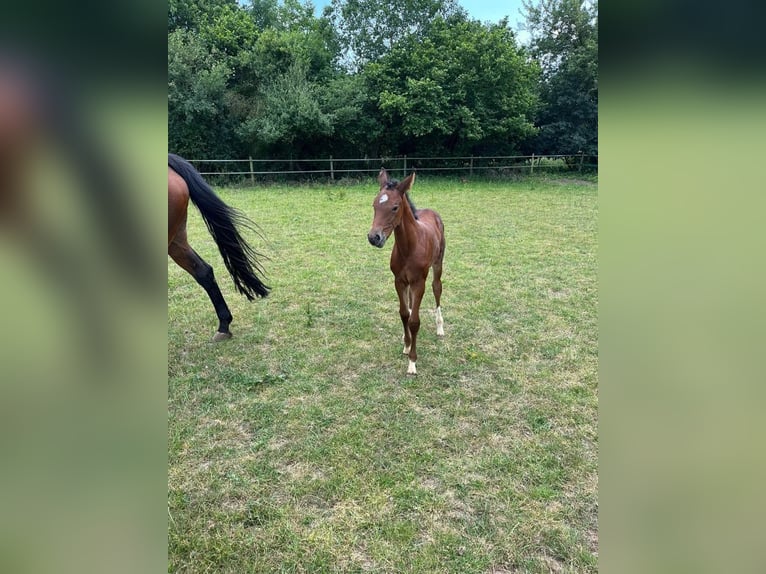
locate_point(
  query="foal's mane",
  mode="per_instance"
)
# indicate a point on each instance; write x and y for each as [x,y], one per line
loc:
[392,183]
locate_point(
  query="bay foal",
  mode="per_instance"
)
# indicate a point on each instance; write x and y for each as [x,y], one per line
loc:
[419,246]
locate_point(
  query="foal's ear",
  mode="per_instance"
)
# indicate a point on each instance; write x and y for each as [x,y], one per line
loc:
[383,177]
[406,183]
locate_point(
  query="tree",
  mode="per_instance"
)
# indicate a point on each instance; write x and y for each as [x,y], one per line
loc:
[290,118]
[230,30]
[197,78]
[464,87]
[265,13]
[565,42]
[354,116]
[288,62]
[191,14]
[266,77]
[370,28]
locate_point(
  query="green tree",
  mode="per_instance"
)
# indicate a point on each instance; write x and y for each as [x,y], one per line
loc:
[191,14]
[289,119]
[265,13]
[564,39]
[297,52]
[370,28]
[463,87]
[197,79]
[230,30]
[354,116]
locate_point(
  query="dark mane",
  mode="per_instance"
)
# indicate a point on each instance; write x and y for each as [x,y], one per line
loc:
[392,183]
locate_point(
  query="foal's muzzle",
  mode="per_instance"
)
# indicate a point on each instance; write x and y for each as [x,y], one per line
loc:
[377,238]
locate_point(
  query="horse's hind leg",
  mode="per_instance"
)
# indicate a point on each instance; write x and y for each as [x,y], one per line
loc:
[192,263]
[437,286]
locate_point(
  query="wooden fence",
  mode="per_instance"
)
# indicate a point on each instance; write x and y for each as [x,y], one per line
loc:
[336,168]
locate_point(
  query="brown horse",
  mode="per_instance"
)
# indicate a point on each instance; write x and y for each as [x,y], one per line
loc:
[419,246]
[185,183]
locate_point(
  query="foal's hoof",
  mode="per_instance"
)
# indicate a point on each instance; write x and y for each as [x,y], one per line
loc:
[219,336]
[411,370]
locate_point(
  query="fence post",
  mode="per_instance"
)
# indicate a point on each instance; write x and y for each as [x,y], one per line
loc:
[582,157]
[405,167]
[252,176]
[532,165]
[332,170]
[471,168]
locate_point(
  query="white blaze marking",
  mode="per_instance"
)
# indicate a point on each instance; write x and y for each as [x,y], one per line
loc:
[439,322]
[383,198]
[411,370]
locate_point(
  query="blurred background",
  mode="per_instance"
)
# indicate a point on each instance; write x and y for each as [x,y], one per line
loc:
[682,116]
[83,131]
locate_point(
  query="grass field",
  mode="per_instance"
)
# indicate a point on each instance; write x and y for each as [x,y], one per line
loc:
[301,445]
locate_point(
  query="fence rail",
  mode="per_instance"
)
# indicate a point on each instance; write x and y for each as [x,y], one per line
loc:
[344,167]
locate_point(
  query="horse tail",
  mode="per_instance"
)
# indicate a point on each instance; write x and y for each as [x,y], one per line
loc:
[223,222]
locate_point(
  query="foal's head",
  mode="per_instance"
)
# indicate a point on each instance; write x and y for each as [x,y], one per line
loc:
[388,206]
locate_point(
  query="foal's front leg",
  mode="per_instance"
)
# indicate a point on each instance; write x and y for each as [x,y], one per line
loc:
[416,296]
[403,291]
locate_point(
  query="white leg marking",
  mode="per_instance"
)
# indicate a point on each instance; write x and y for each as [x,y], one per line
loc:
[408,300]
[439,322]
[411,370]
[406,350]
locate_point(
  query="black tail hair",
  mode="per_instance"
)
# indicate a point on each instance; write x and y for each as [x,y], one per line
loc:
[223,221]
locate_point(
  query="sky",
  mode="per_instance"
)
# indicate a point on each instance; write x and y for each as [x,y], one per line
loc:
[483,10]
[493,10]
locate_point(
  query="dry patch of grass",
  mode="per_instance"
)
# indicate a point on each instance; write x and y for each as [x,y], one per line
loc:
[301,445]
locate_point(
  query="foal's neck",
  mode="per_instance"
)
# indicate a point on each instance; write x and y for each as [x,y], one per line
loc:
[405,233]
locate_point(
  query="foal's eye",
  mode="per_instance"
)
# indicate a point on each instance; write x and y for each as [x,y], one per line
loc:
[395,208]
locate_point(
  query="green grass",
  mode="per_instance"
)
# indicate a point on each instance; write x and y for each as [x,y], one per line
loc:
[301,445]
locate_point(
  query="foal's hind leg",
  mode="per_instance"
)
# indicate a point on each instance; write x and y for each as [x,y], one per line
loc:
[437,286]
[190,261]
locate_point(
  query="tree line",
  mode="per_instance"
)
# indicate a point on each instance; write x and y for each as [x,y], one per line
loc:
[269,78]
